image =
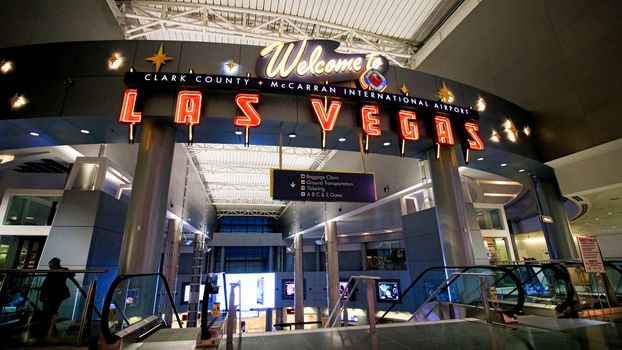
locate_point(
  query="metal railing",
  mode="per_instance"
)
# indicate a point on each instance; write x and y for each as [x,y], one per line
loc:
[341,307]
[9,275]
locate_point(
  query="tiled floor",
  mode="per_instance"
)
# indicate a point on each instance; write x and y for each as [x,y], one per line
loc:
[463,335]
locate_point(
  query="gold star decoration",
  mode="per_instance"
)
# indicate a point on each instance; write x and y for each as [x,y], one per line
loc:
[231,65]
[114,61]
[445,95]
[511,133]
[17,101]
[260,83]
[159,58]
[404,89]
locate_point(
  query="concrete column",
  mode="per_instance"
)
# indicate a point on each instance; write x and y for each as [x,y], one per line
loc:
[268,320]
[363,257]
[318,259]
[332,264]
[558,236]
[144,224]
[221,263]
[212,260]
[451,214]
[171,262]
[299,306]
[270,259]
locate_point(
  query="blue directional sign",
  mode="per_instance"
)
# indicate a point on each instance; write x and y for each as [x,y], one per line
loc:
[322,186]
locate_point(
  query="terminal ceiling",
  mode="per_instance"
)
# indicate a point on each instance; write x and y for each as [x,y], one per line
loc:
[394,28]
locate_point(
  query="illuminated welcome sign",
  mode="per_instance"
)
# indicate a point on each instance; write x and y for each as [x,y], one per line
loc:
[315,61]
[444,122]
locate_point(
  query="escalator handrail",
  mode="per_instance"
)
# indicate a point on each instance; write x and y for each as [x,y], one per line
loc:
[108,336]
[521,292]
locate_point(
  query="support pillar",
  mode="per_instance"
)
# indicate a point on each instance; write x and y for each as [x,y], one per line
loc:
[212,260]
[270,259]
[363,256]
[451,214]
[171,263]
[299,306]
[221,262]
[558,236]
[332,264]
[318,259]
[144,224]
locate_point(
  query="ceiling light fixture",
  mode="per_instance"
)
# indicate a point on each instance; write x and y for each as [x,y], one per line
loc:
[34,133]
[386,144]
[521,170]
[342,139]
[480,158]
[503,164]
[238,132]
[527,131]
[292,135]
[84,131]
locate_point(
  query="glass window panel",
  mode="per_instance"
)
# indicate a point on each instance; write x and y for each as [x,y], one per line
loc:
[31,210]
[489,218]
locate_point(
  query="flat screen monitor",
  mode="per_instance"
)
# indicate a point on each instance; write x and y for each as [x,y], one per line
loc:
[288,289]
[132,297]
[344,290]
[388,290]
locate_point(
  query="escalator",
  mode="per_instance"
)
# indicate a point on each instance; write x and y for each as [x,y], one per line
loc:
[136,306]
[493,293]
[548,288]
[563,288]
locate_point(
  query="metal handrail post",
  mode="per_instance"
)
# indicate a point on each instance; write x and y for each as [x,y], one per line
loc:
[371,307]
[87,314]
[483,289]
[231,313]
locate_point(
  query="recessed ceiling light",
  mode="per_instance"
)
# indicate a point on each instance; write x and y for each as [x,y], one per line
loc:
[521,170]
[609,213]
[387,144]
[342,139]
[292,135]
[238,132]
[480,158]
[597,219]
[504,164]
[34,133]
[84,131]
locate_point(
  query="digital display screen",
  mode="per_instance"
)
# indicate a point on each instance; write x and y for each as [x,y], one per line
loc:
[288,289]
[343,289]
[131,299]
[388,290]
[257,290]
[187,293]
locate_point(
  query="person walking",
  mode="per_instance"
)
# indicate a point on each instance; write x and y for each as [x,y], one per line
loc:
[53,291]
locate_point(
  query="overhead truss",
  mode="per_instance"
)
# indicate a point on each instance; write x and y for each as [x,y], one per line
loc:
[144,19]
